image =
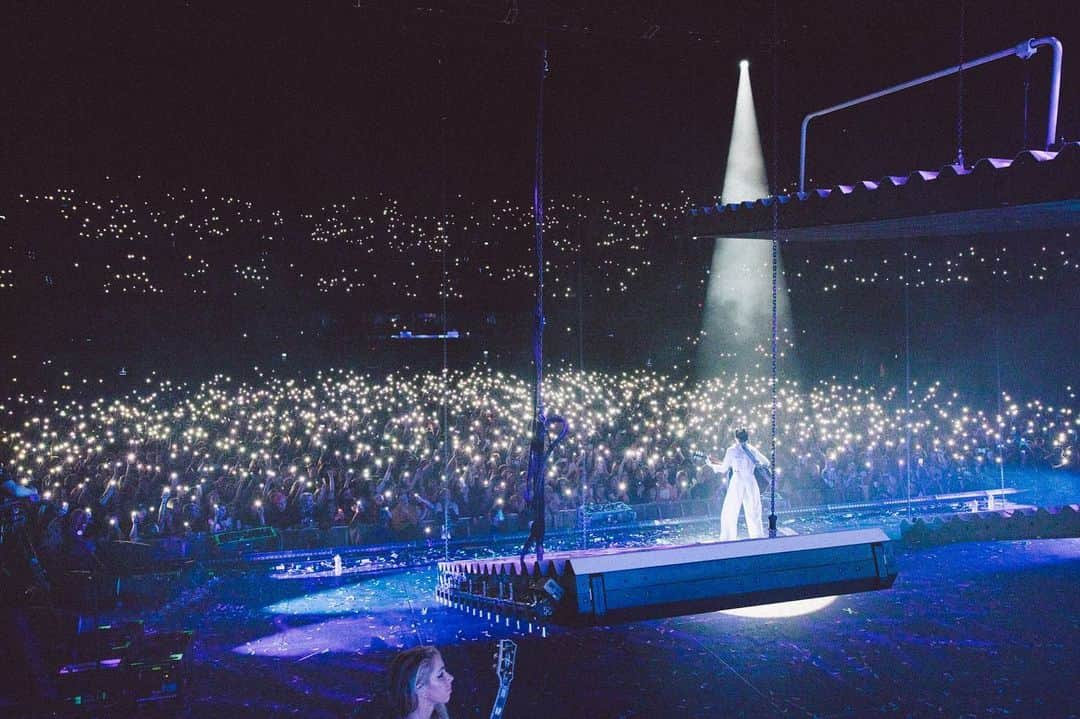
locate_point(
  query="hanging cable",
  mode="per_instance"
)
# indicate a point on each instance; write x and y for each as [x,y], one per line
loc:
[1000,398]
[538,455]
[582,235]
[907,369]
[1027,89]
[535,482]
[584,479]
[444,232]
[960,94]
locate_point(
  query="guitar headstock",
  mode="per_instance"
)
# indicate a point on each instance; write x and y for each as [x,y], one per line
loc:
[505,656]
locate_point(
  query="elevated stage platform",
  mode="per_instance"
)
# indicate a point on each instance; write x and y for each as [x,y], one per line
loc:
[604,586]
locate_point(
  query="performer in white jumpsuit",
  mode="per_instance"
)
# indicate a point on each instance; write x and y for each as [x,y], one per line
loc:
[742,490]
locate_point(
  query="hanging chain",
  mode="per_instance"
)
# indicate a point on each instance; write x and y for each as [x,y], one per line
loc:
[775,267]
[773,380]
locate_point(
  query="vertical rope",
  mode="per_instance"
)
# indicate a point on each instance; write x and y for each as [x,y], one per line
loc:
[538,226]
[537,454]
[445,233]
[1000,399]
[581,368]
[907,368]
[1027,89]
[581,294]
[960,92]
[582,234]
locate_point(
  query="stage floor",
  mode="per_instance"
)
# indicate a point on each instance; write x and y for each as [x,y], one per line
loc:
[968,629]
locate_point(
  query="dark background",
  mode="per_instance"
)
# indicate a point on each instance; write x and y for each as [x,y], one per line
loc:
[294,106]
[302,102]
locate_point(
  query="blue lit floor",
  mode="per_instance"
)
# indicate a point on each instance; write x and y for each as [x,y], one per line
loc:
[968,630]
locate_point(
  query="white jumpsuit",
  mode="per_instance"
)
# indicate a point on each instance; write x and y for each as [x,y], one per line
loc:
[742,491]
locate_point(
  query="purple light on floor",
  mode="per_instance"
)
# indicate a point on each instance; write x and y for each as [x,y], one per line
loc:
[346,635]
[386,612]
[415,589]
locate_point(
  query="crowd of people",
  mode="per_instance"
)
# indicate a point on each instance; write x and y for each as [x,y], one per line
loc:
[190,243]
[348,449]
[402,452]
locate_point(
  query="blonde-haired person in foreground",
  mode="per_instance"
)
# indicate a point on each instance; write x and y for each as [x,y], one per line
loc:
[420,686]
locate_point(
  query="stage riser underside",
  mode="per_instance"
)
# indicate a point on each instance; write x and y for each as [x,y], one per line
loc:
[610,586]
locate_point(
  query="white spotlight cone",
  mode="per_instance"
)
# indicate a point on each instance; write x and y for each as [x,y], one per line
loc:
[744,178]
[738,306]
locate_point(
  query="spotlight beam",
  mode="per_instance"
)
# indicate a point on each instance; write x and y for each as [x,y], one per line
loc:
[737,320]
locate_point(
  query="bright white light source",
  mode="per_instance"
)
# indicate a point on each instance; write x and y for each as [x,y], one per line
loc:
[780,610]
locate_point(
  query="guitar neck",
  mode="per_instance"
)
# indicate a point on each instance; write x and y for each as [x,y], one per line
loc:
[505,658]
[500,700]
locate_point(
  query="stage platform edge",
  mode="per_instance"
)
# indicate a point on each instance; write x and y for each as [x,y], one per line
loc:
[606,586]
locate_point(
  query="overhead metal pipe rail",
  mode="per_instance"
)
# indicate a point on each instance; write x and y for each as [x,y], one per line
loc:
[1023,51]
